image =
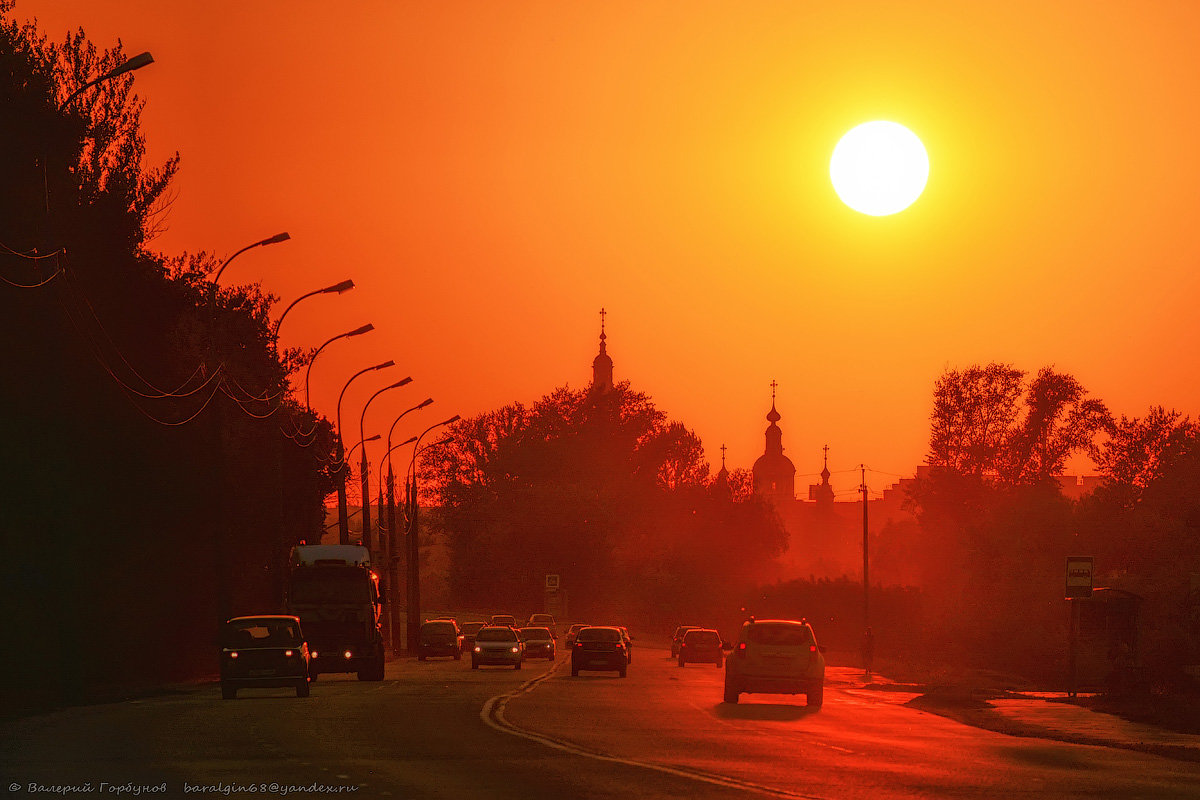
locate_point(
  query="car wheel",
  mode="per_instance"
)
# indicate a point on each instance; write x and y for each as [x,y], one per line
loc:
[458,656]
[312,676]
[228,692]
[474,664]
[420,658]
[816,699]
[720,662]
[731,694]
[574,672]
[621,672]
[302,688]
[517,665]
[682,661]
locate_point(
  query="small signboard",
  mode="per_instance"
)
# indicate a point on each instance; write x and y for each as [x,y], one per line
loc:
[552,583]
[1079,576]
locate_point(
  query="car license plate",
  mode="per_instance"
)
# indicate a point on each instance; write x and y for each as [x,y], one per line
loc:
[256,673]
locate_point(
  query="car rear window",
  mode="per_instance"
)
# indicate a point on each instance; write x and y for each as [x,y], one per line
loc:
[599,635]
[702,637]
[535,633]
[471,627]
[262,633]
[780,635]
[438,627]
[496,635]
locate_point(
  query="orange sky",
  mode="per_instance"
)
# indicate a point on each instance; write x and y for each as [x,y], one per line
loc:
[491,174]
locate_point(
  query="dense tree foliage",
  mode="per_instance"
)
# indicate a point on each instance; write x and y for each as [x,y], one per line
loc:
[151,467]
[600,488]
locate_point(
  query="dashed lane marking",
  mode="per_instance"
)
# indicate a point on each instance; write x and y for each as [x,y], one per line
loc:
[492,715]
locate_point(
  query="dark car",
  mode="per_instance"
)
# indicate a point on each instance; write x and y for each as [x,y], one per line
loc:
[677,639]
[628,642]
[701,645]
[539,642]
[468,631]
[497,644]
[503,619]
[439,637]
[262,652]
[601,649]
[573,632]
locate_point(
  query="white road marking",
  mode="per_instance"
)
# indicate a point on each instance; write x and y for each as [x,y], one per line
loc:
[492,715]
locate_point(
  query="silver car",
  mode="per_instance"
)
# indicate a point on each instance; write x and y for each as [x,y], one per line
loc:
[497,644]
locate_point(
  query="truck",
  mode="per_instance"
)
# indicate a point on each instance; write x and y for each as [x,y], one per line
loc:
[336,595]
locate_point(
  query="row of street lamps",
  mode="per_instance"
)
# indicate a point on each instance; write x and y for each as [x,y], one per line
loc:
[411,505]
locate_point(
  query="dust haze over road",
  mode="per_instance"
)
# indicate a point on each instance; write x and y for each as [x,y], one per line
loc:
[440,729]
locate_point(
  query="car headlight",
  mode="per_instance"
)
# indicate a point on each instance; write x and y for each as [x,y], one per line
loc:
[516,649]
[478,649]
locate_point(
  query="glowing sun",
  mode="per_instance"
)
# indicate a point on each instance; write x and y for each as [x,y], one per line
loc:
[879,168]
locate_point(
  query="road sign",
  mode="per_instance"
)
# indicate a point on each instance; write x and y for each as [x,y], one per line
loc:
[552,583]
[1079,576]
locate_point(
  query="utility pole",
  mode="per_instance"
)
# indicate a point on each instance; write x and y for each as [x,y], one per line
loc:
[414,565]
[866,577]
[343,511]
[366,504]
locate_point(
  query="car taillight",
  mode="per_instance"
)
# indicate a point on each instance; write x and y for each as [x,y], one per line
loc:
[516,649]
[233,654]
[314,654]
[478,649]
[741,649]
[812,648]
[683,645]
[579,644]
[347,654]
[289,653]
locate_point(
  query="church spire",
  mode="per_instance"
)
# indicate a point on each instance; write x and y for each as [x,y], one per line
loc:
[602,364]
[774,474]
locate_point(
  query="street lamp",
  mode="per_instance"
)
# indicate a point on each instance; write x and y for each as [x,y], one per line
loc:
[343,515]
[366,468]
[340,288]
[357,331]
[137,62]
[276,239]
[374,438]
[414,553]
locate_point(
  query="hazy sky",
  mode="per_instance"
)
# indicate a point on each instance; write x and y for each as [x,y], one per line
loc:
[491,174]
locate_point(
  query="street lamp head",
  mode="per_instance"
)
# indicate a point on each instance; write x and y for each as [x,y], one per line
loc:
[277,238]
[384,365]
[137,62]
[364,329]
[455,418]
[340,288]
[398,384]
[374,438]
[409,440]
[425,402]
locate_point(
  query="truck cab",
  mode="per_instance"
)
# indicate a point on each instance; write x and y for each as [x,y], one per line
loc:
[335,593]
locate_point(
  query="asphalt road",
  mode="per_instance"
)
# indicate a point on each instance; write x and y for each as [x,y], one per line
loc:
[442,730]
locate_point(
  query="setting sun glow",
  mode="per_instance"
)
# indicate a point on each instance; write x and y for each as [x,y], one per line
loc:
[879,168]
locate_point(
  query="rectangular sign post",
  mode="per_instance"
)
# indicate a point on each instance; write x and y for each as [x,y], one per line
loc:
[1079,586]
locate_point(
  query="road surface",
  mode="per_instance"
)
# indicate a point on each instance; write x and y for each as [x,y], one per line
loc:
[442,730]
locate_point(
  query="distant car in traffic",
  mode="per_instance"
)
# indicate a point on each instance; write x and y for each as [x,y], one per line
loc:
[541,621]
[439,637]
[677,638]
[599,648]
[497,644]
[776,656]
[701,645]
[628,642]
[539,642]
[573,632]
[263,651]
[468,631]
[503,619]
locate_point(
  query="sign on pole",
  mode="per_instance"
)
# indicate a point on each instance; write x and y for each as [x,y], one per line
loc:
[1079,576]
[552,583]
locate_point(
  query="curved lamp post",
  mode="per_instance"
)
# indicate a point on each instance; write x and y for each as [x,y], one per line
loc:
[276,239]
[137,62]
[414,553]
[343,515]
[357,331]
[366,468]
[340,288]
